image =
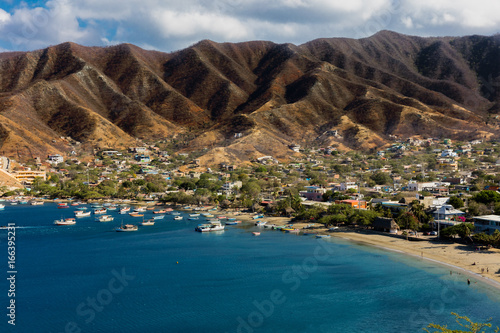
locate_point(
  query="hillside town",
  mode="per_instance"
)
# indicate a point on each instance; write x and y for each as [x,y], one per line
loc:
[413,187]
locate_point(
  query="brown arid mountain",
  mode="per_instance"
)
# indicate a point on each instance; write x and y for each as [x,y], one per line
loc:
[245,100]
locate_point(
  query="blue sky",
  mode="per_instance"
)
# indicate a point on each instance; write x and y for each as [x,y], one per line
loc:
[169,25]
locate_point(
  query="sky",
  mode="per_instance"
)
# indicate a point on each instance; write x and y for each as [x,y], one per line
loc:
[170,25]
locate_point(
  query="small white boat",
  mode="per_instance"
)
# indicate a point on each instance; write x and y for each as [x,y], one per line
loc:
[124,210]
[36,203]
[2,206]
[148,222]
[127,227]
[323,236]
[100,211]
[256,233]
[68,221]
[260,223]
[178,218]
[105,218]
[175,213]
[194,215]
[158,217]
[140,209]
[208,227]
[82,213]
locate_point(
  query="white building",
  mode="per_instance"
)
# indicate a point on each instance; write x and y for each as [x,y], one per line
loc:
[229,186]
[348,185]
[487,223]
[55,159]
[413,186]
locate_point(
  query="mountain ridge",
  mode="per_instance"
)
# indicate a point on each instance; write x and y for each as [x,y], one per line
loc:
[234,97]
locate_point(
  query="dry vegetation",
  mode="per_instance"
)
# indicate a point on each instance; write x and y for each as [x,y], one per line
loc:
[273,94]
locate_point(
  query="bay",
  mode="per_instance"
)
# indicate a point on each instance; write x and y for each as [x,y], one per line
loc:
[169,278]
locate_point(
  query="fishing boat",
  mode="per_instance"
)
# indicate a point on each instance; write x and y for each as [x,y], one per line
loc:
[233,222]
[150,208]
[169,210]
[36,203]
[175,213]
[193,218]
[100,211]
[178,218]
[140,209]
[208,227]
[62,221]
[127,227]
[82,213]
[124,210]
[194,215]
[158,217]
[260,223]
[148,222]
[293,231]
[105,218]
[256,233]
[163,211]
[2,206]
[112,208]
[62,205]
[135,214]
[323,236]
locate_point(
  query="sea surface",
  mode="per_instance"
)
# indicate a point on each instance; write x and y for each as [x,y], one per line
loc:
[169,278]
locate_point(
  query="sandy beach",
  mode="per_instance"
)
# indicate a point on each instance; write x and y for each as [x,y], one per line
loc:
[481,264]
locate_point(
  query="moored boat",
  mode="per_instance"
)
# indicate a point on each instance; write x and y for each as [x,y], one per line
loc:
[36,203]
[2,206]
[105,218]
[148,222]
[135,214]
[100,211]
[260,223]
[127,227]
[159,211]
[323,236]
[158,217]
[124,210]
[178,218]
[208,227]
[82,213]
[256,233]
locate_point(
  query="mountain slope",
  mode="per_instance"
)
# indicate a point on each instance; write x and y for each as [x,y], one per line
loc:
[238,97]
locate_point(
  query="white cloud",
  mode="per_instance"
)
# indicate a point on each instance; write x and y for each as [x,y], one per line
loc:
[172,24]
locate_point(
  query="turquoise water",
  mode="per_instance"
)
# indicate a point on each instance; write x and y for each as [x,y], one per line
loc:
[169,278]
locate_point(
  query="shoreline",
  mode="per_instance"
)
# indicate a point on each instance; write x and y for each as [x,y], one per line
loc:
[480,265]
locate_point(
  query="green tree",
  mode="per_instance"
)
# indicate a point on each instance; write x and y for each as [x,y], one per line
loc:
[486,197]
[407,220]
[456,202]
